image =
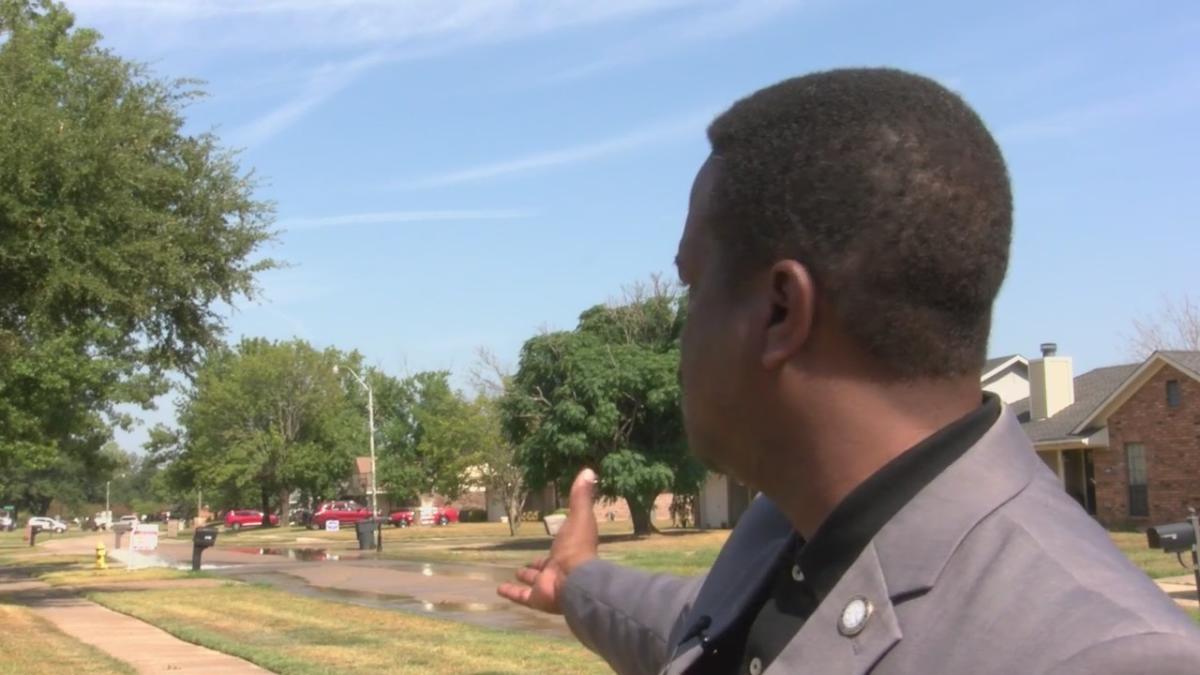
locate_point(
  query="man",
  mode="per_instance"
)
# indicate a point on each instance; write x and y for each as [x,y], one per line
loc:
[844,245]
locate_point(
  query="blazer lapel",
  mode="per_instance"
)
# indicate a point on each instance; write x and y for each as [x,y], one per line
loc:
[908,555]
[853,628]
[742,569]
[903,560]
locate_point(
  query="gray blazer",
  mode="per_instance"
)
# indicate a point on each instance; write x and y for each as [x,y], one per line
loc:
[991,568]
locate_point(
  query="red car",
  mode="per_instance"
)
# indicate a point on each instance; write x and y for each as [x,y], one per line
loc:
[433,516]
[344,512]
[236,520]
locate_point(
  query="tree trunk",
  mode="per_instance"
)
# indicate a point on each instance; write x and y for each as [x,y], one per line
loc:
[639,511]
[266,507]
[514,506]
[285,507]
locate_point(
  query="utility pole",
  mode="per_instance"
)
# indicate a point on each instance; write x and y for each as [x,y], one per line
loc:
[371,441]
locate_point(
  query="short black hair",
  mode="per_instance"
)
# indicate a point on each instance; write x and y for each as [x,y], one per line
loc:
[890,190]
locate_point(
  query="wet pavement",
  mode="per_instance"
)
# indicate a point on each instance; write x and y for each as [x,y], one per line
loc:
[459,591]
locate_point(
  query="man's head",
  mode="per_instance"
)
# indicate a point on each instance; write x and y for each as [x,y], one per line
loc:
[850,223]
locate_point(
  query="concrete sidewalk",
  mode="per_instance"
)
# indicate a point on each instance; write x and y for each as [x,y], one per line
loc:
[1182,590]
[146,648]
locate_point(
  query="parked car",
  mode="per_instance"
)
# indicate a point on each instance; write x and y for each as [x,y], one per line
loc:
[402,518]
[443,515]
[7,523]
[102,520]
[46,523]
[129,520]
[237,519]
[345,512]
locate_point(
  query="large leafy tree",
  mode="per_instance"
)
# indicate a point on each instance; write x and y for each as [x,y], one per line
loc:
[430,435]
[120,235]
[606,396]
[264,419]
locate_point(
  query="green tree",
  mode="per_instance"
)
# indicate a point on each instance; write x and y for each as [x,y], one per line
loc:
[119,236]
[429,436]
[606,396]
[264,419]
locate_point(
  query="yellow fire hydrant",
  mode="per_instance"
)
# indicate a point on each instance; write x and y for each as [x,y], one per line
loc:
[101,556]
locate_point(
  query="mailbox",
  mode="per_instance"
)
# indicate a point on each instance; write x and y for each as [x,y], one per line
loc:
[1172,538]
[202,538]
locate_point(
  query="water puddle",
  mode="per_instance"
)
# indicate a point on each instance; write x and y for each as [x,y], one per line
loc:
[475,572]
[301,554]
[500,614]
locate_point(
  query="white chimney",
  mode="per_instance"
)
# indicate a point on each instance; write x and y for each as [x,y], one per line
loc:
[1051,383]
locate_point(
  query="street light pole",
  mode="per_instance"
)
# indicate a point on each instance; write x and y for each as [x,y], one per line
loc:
[107,506]
[371,442]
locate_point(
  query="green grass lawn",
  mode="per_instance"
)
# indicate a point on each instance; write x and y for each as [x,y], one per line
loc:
[91,577]
[290,634]
[31,646]
[1151,561]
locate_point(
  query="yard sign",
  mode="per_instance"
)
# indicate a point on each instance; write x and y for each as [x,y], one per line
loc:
[144,538]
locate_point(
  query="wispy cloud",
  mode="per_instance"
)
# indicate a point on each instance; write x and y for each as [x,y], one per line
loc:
[664,132]
[356,36]
[314,25]
[402,217]
[1171,98]
[726,20]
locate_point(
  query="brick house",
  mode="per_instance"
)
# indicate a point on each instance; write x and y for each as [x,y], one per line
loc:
[1124,440]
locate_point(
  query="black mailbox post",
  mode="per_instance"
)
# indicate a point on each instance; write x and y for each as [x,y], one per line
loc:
[119,530]
[33,533]
[1173,538]
[1179,538]
[202,538]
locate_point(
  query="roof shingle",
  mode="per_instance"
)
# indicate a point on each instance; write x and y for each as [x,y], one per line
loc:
[1091,389]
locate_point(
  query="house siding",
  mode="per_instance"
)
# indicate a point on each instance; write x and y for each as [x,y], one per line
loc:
[1171,437]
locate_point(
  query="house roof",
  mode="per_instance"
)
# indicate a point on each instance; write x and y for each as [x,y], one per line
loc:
[1091,390]
[1184,361]
[1187,362]
[362,465]
[996,363]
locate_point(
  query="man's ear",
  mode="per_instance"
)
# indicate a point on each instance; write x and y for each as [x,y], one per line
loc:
[793,298]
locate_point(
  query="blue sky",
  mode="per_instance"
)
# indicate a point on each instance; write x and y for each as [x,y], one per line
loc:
[452,174]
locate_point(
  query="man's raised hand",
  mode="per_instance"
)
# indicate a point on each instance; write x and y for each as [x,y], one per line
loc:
[542,581]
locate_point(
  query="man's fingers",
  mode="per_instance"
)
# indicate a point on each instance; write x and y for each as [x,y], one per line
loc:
[540,563]
[583,495]
[515,592]
[528,575]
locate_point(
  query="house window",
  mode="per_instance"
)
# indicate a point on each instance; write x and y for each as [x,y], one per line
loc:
[1139,498]
[1173,398]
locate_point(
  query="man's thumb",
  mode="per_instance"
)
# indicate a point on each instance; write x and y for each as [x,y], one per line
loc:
[583,494]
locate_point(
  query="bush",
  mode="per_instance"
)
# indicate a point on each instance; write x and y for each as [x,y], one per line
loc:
[472,516]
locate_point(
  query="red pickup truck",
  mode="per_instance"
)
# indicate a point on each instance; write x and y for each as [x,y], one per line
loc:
[436,516]
[239,518]
[345,513]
